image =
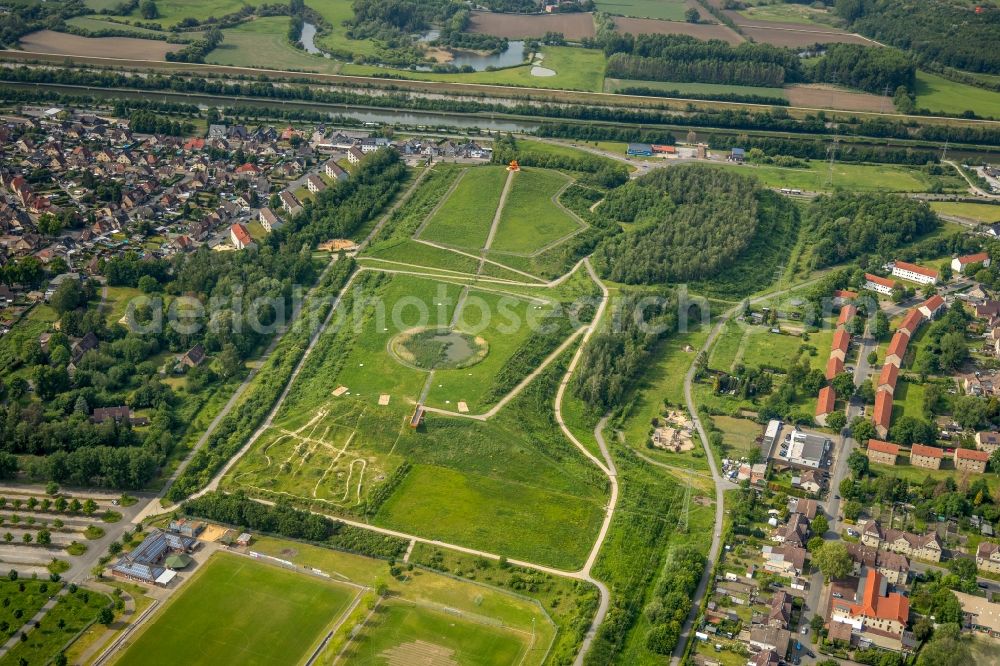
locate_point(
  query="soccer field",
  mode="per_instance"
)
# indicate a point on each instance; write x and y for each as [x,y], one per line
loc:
[237,611]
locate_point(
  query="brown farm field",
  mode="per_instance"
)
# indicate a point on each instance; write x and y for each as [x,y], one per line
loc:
[637,26]
[61,43]
[793,37]
[825,97]
[574,26]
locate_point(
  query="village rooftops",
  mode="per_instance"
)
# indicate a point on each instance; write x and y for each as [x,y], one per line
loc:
[926,451]
[841,340]
[827,400]
[846,314]
[914,318]
[897,346]
[932,305]
[977,258]
[834,367]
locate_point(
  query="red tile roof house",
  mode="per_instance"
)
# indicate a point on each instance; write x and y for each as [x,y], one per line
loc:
[882,416]
[897,349]
[841,296]
[887,379]
[240,236]
[959,264]
[914,273]
[932,307]
[971,460]
[879,616]
[914,318]
[841,343]
[847,313]
[879,285]
[826,404]
[928,457]
[834,367]
[884,453]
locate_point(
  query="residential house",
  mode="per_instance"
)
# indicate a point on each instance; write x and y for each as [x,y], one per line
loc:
[874,613]
[289,202]
[780,614]
[834,366]
[914,318]
[794,532]
[971,460]
[988,441]
[988,557]
[882,414]
[884,453]
[979,614]
[847,313]
[826,404]
[354,155]
[770,639]
[193,357]
[269,220]
[879,285]
[959,264]
[928,457]
[810,480]
[787,561]
[914,273]
[921,546]
[841,296]
[334,170]
[841,344]
[83,345]
[932,307]
[895,567]
[807,507]
[315,184]
[887,378]
[897,348]
[240,236]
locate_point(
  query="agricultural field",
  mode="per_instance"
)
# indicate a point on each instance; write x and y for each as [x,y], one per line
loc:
[790,13]
[668,10]
[47,41]
[851,176]
[613,85]
[531,219]
[985,213]
[939,95]
[698,30]
[263,42]
[823,96]
[236,609]
[573,26]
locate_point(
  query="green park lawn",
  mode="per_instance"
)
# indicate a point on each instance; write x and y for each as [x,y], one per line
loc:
[531,220]
[939,95]
[506,516]
[738,434]
[263,42]
[908,400]
[980,212]
[465,218]
[237,610]
[669,10]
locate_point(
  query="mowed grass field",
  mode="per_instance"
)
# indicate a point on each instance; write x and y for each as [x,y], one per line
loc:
[235,610]
[986,213]
[465,218]
[612,85]
[939,95]
[263,42]
[670,10]
[857,177]
[531,220]
[399,632]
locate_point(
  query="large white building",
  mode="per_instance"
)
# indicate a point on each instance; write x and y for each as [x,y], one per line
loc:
[914,273]
[879,285]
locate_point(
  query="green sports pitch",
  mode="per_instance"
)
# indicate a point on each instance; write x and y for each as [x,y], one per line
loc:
[238,611]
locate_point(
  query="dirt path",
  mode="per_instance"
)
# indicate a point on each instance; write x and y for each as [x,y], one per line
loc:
[496,219]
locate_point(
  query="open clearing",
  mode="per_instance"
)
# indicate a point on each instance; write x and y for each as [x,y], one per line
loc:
[793,14]
[820,96]
[263,42]
[683,87]
[785,35]
[336,12]
[939,95]
[48,41]
[174,11]
[531,219]
[400,634]
[574,26]
[235,610]
[860,177]
[980,212]
[705,31]
[669,10]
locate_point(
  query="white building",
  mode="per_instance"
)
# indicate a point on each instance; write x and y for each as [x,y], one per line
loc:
[914,273]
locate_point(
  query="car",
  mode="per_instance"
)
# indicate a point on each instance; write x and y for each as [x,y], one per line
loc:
[837,497]
[809,653]
[805,630]
[798,646]
[838,595]
[984,586]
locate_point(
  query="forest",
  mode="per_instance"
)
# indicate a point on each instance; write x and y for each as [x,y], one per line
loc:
[871,69]
[687,223]
[846,226]
[945,32]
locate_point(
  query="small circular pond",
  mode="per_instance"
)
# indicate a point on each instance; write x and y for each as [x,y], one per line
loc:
[438,348]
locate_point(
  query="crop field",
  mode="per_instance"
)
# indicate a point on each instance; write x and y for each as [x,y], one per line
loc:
[787,36]
[238,610]
[985,213]
[939,95]
[263,42]
[668,10]
[859,177]
[820,96]
[400,633]
[465,217]
[637,26]
[683,87]
[573,26]
[531,219]
[47,41]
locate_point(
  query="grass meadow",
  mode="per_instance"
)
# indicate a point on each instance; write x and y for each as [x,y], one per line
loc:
[612,85]
[174,11]
[669,10]
[980,212]
[531,219]
[856,177]
[465,217]
[263,42]
[939,95]
[235,610]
